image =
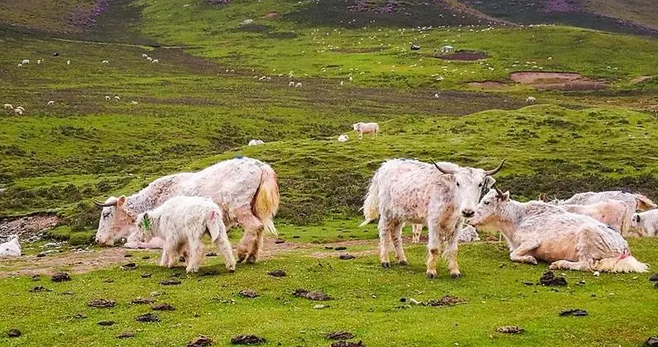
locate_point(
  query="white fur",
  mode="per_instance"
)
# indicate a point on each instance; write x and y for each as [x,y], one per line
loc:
[646,222]
[343,138]
[256,142]
[11,248]
[531,100]
[366,128]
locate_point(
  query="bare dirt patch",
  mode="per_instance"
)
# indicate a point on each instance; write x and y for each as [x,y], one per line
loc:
[488,85]
[640,79]
[464,55]
[557,80]
[26,227]
[314,296]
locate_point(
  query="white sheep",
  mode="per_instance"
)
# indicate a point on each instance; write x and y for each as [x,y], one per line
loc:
[117,98]
[155,61]
[9,107]
[11,248]
[105,62]
[343,138]
[108,98]
[68,62]
[20,65]
[298,85]
[133,102]
[18,111]
[531,100]
[255,142]
[291,84]
[50,103]
[38,61]
[149,59]
[25,61]
[144,55]
[182,221]
[21,108]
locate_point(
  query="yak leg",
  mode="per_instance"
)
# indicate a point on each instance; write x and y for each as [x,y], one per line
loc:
[581,265]
[450,252]
[520,253]
[416,230]
[252,238]
[172,253]
[433,246]
[165,257]
[396,235]
[385,236]
[195,256]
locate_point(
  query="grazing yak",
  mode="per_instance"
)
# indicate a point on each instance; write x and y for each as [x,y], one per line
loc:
[438,196]
[366,128]
[246,190]
[181,221]
[539,231]
[646,222]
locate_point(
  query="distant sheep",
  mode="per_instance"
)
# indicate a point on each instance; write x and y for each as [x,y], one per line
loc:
[149,59]
[8,107]
[291,84]
[25,61]
[117,98]
[366,128]
[38,61]
[20,65]
[18,111]
[155,61]
[133,102]
[343,138]
[531,100]
[21,108]
[105,62]
[144,55]
[50,103]
[11,248]
[108,98]
[256,142]
[68,62]
[298,85]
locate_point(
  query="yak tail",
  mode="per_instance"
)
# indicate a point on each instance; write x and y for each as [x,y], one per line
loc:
[371,204]
[266,201]
[621,264]
[644,203]
[215,226]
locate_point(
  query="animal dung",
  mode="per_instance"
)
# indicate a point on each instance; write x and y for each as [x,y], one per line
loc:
[549,279]
[277,273]
[126,335]
[247,340]
[315,296]
[106,323]
[200,341]
[248,293]
[101,303]
[163,307]
[346,256]
[147,318]
[170,282]
[574,312]
[510,329]
[339,335]
[61,277]
[142,301]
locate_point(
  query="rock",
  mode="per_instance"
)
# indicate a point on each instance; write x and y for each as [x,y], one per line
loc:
[146,275]
[210,254]
[126,335]
[79,316]
[511,329]
[146,257]
[129,266]
[319,307]
[247,340]
[346,256]
[39,289]
[339,335]
[61,277]
[279,241]
[574,312]
[163,307]
[106,323]
[248,293]
[340,248]
[142,301]
[170,282]
[127,255]
[315,296]
[277,273]
[652,341]
[549,279]
[101,303]
[14,333]
[654,277]
[447,300]
[200,341]
[147,318]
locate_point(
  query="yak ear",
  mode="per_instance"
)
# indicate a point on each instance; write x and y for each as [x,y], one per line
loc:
[489,182]
[121,202]
[636,218]
[505,196]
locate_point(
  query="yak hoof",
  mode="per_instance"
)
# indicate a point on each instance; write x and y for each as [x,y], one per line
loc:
[251,259]
[404,263]
[386,265]
[455,275]
[231,269]
[431,275]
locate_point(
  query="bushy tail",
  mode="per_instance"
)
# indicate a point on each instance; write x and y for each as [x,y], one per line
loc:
[215,225]
[644,203]
[621,264]
[371,204]
[266,201]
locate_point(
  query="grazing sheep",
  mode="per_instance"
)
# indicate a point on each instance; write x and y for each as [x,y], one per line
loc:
[21,108]
[646,222]
[38,61]
[366,128]
[343,138]
[20,65]
[255,142]
[154,61]
[144,55]
[117,98]
[298,85]
[108,98]
[133,102]
[149,59]
[8,107]
[68,62]
[181,221]
[25,61]
[50,103]
[18,111]
[291,84]
[531,100]
[11,248]
[105,62]
[247,21]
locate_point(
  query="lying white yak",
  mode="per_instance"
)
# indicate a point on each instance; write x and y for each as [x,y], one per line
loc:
[181,221]
[11,248]
[466,234]
[540,231]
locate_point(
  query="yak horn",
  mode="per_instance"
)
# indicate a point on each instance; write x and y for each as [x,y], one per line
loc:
[443,171]
[498,191]
[107,204]
[495,171]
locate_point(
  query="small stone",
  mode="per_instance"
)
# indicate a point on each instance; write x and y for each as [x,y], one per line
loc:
[61,277]
[340,248]
[211,254]
[200,341]
[163,307]
[512,329]
[101,303]
[126,335]
[248,293]
[346,256]
[129,266]
[319,307]
[145,275]
[574,312]
[14,333]
[277,273]
[247,340]
[147,318]
[106,323]
[170,282]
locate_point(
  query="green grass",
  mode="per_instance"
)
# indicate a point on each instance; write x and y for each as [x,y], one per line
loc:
[366,303]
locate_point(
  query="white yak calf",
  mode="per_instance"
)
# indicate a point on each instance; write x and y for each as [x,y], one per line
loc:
[181,221]
[540,231]
[439,196]
[366,128]
[646,222]
[11,248]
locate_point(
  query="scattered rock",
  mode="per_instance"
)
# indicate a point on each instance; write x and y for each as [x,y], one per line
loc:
[340,248]
[315,296]
[511,329]
[147,318]
[277,273]
[101,303]
[339,335]
[39,289]
[654,277]
[346,256]
[146,257]
[163,307]
[574,312]
[347,344]
[79,316]
[248,293]
[200,341]
[129,266]
[652,341]
[106,323]
[447,300]
[145,275]
[279,241]
[170,282]
[549,279]
[142,301]
[61,277]
[328,247]
[247,340]
[108,280]
[126,335]
[127,255]
[210,254]
[14,333]
[296,236]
